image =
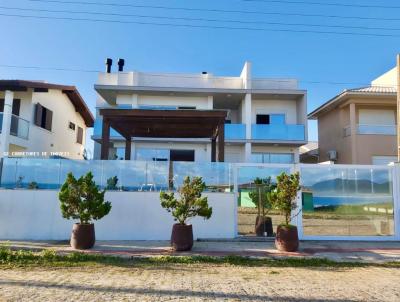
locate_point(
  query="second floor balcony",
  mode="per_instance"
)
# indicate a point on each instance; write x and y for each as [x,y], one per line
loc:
[19,127]
[281,132]
[278,132]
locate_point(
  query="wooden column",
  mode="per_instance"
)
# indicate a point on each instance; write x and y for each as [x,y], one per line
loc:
[213,149]
[105,139]
[128,148]
[221,142]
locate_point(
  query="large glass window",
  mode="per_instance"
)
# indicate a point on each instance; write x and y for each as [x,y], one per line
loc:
[272,158]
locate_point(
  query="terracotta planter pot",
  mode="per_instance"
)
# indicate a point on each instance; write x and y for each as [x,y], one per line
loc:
[83,236]
[182,237]
[264,225]
[287,239]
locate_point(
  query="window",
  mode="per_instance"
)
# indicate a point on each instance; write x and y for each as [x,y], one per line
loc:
[182,155]
[272,158]
[262,119]
[79,136]
[71,126]
[43,117]
[186,107]
[266,119]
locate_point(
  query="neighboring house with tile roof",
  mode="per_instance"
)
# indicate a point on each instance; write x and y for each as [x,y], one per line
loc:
[358,126]
[39,119]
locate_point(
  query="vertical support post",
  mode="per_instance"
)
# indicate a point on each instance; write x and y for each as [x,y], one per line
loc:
[105,139]
[213,149]
[221,142]
[5,128]
[128,148]
[353,133]
[398,107]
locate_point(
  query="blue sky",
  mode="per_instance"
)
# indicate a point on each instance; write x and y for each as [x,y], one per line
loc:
[309,57]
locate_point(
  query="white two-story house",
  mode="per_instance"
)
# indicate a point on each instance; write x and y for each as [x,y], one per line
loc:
[39,119]
[183,117]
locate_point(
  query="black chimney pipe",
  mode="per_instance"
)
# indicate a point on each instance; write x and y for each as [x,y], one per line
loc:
[121,63]
[108,65]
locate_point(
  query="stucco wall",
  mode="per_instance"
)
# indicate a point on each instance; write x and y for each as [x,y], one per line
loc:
[35,215]
[330,135]
[198,102]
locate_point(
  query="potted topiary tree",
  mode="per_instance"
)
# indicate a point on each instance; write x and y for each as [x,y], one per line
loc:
[260,198]
[81,199]
[283,198]
[190,204]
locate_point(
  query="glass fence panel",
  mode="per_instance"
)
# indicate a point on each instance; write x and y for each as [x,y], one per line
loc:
[347,201]
[158,175]
[81,167]
[37,173]
[217,176]
[9,173]
[255,217]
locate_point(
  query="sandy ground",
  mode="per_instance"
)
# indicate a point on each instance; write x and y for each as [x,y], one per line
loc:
[200,283]
[370,226]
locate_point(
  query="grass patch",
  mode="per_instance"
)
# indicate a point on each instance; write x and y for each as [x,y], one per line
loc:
[49,258]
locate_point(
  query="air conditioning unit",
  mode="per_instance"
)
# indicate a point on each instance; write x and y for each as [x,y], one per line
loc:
[332,155]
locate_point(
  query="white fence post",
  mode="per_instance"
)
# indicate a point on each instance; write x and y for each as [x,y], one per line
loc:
[396,199]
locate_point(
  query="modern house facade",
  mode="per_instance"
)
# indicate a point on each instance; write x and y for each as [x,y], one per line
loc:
[358,126]
[39,119]
[198,117]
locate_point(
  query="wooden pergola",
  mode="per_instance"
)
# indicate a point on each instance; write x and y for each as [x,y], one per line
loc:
[164,124]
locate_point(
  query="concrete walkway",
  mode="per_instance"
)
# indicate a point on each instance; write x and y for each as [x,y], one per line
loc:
[362,251]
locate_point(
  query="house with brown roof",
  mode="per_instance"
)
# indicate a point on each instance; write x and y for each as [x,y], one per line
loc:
[39,119]
[358,126]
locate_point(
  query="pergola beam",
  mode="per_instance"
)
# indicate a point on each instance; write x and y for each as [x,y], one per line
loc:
[164,124]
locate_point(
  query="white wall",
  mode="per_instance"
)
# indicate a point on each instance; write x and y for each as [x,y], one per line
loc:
[35,215]
[198,102]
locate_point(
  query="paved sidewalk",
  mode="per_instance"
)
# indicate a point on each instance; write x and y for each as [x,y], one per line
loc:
[334,250]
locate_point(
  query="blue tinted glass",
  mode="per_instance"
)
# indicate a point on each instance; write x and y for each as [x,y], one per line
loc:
[277,119]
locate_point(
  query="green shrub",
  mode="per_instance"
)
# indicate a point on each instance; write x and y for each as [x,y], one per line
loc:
[81,199]
[190,204]
[263,188]
[283,197]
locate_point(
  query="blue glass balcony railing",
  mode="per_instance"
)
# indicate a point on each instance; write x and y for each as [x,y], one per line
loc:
[278,132]
[235,131]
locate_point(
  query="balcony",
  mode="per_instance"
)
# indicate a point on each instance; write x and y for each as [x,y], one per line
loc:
[235,131]
[279,132]
[19,127]
[376,129]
